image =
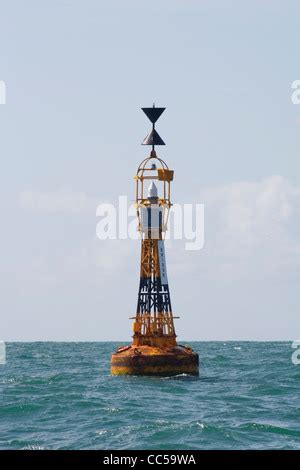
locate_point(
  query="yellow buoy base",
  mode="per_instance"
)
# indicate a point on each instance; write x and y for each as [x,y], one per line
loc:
[149,360]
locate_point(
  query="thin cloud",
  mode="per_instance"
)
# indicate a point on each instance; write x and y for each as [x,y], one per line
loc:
[65,201]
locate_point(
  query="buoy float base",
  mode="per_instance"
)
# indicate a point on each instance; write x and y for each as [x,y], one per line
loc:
[149,360]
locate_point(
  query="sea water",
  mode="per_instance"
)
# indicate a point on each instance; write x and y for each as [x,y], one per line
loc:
[62,396]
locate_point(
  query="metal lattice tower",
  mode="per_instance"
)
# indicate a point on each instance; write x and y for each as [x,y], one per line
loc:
[153,324]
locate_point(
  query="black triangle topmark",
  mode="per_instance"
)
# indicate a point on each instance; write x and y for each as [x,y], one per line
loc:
[153,113]
[153,138]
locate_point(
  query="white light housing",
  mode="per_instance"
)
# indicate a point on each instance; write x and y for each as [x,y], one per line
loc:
[152,190]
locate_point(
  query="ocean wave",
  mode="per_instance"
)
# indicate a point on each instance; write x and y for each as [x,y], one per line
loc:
[269,428]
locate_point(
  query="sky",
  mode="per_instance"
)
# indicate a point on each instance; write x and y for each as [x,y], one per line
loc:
[77,73]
